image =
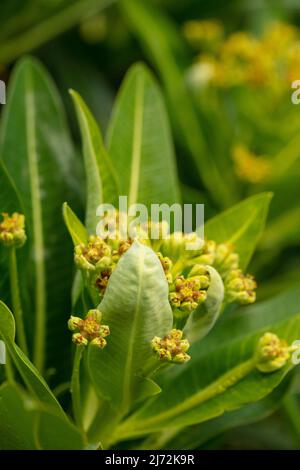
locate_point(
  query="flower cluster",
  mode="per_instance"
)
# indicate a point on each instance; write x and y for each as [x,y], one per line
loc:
[271,60]
[171,348]
[12,230]
[272,353]
[240,287]
[187,294]
[89,330]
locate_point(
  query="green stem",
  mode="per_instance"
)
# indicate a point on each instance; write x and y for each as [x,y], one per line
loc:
[130,428]
[49,28]
[16,300]
[9,371]
[75,387]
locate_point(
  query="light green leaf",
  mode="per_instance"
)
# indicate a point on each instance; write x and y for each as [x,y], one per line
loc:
[40,163]
[76,229]
[139,141]
[25,425]
[16,420]
[136,308]
[242,225]
[102,183]
[33,380]
[148,22]
[205,316]
[231,344]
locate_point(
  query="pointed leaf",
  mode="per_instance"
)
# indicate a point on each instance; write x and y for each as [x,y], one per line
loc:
[139,141]
[40,162]
[242,225]
[102,184]
[136,308]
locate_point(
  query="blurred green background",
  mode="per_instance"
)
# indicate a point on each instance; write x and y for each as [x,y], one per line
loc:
[226,68]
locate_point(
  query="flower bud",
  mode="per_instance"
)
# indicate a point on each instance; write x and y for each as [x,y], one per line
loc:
[272,353]
[240,287]
[171,348]
[12,230]
[89,330]
[94,255]
[187,294]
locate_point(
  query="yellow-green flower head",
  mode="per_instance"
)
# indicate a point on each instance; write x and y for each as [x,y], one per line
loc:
[225,259]
[12,230]
[272,353]
[89,330]
[240,287]
[208,253]
[95,255]
[171,348]
[187,294]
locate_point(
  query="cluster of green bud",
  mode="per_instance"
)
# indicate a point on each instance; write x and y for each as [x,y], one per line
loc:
[186,294]
[182,245]
[272,353]
[96,254]
[12,230]
[221,256]
[89,330]
[171,348]
[240,287]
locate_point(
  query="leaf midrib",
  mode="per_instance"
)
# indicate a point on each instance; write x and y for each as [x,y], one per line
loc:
[128,373]
[37,224]
[137,140]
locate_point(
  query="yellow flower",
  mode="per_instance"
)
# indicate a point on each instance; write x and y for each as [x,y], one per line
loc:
[12,230]
[250,167]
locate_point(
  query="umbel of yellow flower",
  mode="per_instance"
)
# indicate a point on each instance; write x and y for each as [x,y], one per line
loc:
[12,230]
[171,348]
[272,353]
[89,330]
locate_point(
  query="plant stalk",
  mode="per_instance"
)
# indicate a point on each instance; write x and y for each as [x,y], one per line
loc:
[75,387]
[16,300]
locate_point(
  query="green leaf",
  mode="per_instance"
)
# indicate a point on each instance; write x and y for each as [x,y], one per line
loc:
[231,344]
[205,316]
[139,141]
[197,435]
[40,163]
[242,225]
[102,184]
[25,425]
[16,420]
[76,229]
[147,22]
[32,378]
[136,308]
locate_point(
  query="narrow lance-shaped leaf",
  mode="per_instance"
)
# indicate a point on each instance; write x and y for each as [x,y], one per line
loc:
[136,308]
[40,163]
[139,141]
[102,182]
[165,52]
[242,225]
